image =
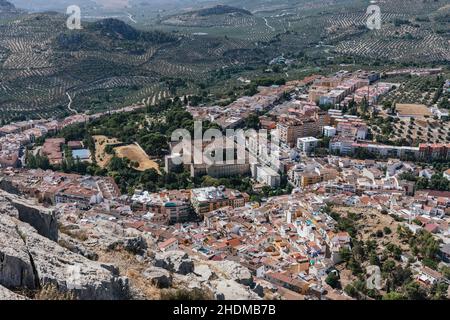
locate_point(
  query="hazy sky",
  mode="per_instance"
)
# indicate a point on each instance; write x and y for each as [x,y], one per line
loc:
[35,4]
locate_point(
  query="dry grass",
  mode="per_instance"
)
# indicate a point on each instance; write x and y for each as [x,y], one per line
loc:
[78,234]
[417,110]
[51,292]
[132,152]
[185,294]
[101,156]
[130,267]
[136,154]
[372,220]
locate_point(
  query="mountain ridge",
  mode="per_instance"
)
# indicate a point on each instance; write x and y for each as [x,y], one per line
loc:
[6,6]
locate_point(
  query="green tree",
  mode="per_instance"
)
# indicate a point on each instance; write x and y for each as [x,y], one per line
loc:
[393,296]
[333,280]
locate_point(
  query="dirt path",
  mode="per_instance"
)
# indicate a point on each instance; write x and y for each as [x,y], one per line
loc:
[70,104]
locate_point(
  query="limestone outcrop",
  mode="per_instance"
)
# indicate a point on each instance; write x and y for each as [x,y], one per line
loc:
[16,266]
[6,294]
[136,245]
[234,271]
[224,279]
[76,247]
[231,290]
[42,219]
[72,272]
[159,277]
[176,261]
[107,235]
[29,260]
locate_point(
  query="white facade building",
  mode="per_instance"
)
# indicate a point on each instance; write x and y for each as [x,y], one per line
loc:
[266,175]
[329,131]
[307,144]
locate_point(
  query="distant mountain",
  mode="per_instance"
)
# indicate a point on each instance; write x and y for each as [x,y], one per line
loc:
[6,6]
[117,29]
[51,5]
[219,15]
[221,9]
[109,64]
[104,65]
[107,34]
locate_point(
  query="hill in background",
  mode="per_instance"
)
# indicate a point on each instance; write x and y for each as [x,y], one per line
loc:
[111,63]
[220,15]
[7,7]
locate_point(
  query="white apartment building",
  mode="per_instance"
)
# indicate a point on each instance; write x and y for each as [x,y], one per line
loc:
[307,144]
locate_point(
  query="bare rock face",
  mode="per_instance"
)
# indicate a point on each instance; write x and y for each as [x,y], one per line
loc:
[6,294]
[29,260]
[107,235]
[159,277]
[190,281]
[135,245]
[43,220]
[231,290]
[16,269]
[40,218]
[175,261]
[235,271]
[76,247]
[203,272]
[71,272]
[7,208]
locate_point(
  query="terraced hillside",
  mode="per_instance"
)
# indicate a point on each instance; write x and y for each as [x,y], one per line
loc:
[412,30]
[44,67]
[43,64]
[6,6]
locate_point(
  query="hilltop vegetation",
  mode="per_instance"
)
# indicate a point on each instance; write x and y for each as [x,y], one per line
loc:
[119,30]
[111,34]
[214,16]
[221,9]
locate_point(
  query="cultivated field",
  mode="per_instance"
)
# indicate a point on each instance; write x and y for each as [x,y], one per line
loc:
[417,89]
[107,66]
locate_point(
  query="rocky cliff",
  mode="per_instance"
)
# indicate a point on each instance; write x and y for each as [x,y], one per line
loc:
[42,219]
[6,294]
[30,261]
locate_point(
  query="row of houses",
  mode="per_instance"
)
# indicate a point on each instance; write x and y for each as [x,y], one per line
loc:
[176,206]
[424,152]
[57,188]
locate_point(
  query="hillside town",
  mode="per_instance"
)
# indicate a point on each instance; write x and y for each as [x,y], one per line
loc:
[344,191]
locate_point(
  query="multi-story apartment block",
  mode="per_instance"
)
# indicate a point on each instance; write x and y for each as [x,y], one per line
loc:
[434,151]
[167,206]
[212,198]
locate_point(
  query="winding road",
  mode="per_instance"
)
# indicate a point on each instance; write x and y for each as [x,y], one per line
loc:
[268,25]
[130,16]
[70,103]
